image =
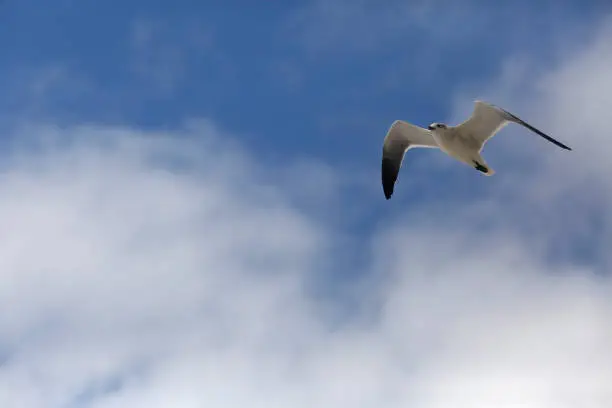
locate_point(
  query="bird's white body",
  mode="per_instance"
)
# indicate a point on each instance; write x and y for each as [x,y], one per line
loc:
[459,146]
[463,142]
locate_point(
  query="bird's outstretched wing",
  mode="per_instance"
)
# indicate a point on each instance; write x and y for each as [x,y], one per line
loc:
[488,119]
[400,137]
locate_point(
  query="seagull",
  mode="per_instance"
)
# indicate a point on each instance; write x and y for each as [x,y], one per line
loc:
[463,142]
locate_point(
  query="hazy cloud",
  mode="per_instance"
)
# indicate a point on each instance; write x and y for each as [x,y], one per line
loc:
[161,51]
[173,269]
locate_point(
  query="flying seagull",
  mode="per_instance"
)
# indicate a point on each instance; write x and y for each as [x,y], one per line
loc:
[463,142]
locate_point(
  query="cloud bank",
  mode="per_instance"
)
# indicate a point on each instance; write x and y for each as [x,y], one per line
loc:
[144,269]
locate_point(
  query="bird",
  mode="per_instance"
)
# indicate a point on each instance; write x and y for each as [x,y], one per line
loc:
[463,142]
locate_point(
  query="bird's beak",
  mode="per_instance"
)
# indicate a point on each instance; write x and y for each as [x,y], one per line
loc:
[430,127]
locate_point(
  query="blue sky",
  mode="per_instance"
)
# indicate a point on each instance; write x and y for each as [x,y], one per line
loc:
[318,80]
[193,189]
[289,80]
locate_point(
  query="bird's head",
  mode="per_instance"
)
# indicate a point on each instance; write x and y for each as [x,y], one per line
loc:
[435,126]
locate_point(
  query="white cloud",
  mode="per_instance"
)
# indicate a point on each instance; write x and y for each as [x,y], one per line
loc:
[152,270]
[110,257]
[556,190]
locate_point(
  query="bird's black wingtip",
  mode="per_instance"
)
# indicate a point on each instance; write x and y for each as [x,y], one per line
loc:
[564,147]
[516,119]
[389,175]
[388,190]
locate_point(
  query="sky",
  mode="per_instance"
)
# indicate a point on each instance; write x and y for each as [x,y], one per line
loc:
[192,213]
